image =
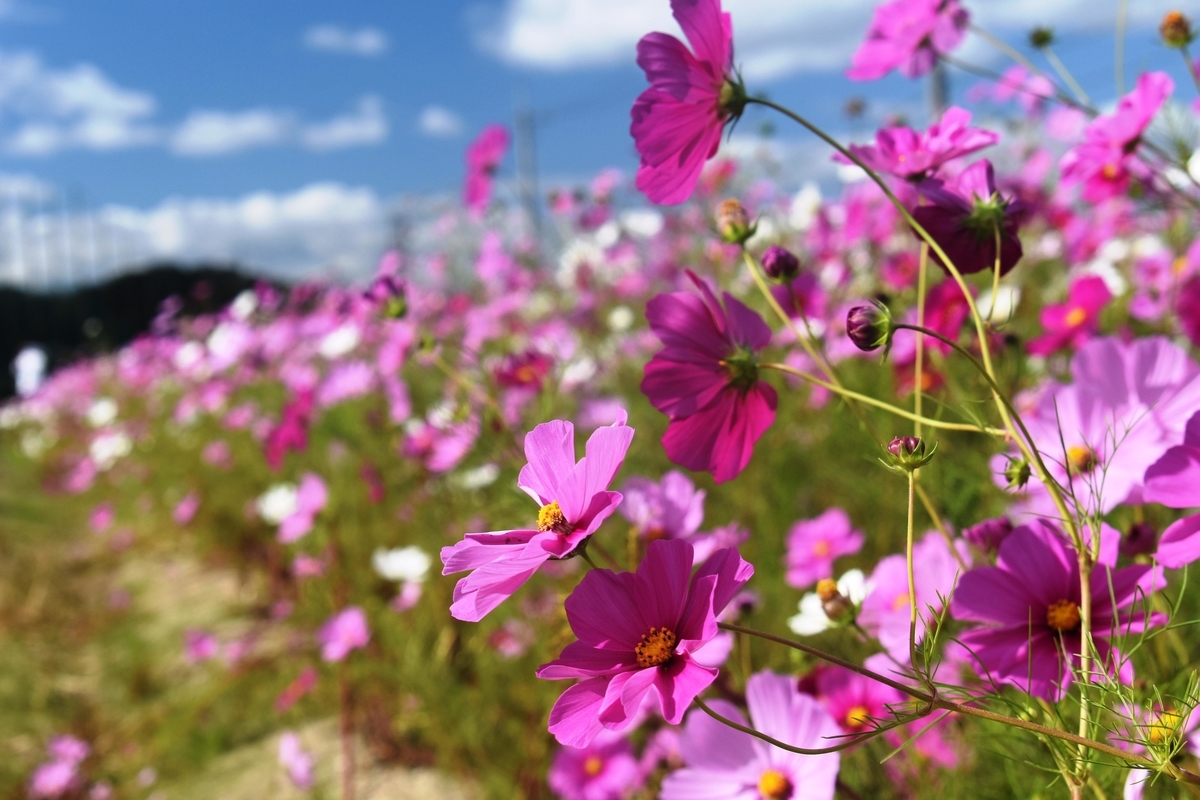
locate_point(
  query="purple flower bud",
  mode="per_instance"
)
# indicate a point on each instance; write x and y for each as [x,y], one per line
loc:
[780,263]
[908,454]
[906,446]
[1141,539]
[988,534]
[869,327]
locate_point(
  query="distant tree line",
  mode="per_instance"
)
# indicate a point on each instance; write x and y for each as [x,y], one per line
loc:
[97,319]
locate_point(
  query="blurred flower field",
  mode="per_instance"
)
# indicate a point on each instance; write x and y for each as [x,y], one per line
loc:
[929,443]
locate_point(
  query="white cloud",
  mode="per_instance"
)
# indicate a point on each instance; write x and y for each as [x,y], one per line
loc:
[24,187]
[335,39]
[212,133]
[774,37]
[78,107]
[367,125]
[440,123]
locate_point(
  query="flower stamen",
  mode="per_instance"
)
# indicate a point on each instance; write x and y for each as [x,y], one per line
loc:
[774,786]
[656,648]
[1063,615]
[552,518]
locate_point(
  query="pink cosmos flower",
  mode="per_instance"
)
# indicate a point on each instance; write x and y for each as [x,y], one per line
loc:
[706,379]
[1104,162]
[70,749]
[343,632]
[814,544]
[1174,479]
[673,508]
[606,769]
[1073,322]
[199,645]
[1029,606]
[913,156]
[218,454]
[53,779]
[574,500]
[726,763]
[292,432]
[292,694]
[637,633]
[101,518]
[441,446]
[967,218]
[677,122]
[311,497]
[856,702]
[296,761]
[185,509]
[483,159]
[908,35]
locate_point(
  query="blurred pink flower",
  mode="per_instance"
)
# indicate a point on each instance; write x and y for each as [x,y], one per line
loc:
[296,761]
[297,689]
[914,156]
[908,35]
[483,159]
[291,434]
[102,516]
[218,454]
[1073,322]
[311,497]
[199,645]
[343,632]
[677,122]
[603,770]
[305,566]
[814,544]
[185,509]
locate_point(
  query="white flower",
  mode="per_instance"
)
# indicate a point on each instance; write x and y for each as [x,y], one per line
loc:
[402,564]
[620,319]
[244,305]
[102,412]
[578,372]
[477,478]
[1006,302]
[812,618]
[109,446]
[805,206]
[339,342]
[642,222]
[278,503]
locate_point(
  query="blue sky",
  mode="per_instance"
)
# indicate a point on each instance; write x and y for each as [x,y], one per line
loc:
[169,112]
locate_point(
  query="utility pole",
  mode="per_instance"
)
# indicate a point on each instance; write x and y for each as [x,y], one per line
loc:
[525,124]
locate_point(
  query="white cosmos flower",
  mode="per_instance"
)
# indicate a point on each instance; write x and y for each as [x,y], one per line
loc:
[402,563]
[812,618]
[339,342]
[109,446]
[278,503]
[102,411]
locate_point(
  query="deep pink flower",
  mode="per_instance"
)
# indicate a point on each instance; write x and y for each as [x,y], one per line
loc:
[814,544]
[677,122]
[1174,480]
[524,370]
[1073,322]
[967,218]
[706,379]
[343,632]
[856,702]
[291,434]
[1029,604]
[1187,309]
[637,633]
[483,159]
[913,156]
[302,685]
[604,770]
[1104,162]
[574,500]
[726,763]
[908,35]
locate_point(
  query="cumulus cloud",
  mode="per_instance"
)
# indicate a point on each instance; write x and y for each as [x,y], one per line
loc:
[365,126]
[440,123]
[336,39]
[774,37]
[212,133]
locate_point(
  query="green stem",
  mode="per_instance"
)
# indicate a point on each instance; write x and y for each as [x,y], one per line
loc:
[852,740]
[871,401]
[1067,77]
[912,582]
[919,366]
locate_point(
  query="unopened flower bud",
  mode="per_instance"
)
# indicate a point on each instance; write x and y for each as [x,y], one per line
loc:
[1176,30]
[988,534]
[908,453]
[733,223]
[780,263]
[869,327]
[1041,37]
[836,605]
[1017,473]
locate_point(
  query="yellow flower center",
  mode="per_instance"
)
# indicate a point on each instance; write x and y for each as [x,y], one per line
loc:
[1081,459]
[551,518]
[1063,615]
[1179,265]
[1164,728]
[1109,172]
[827,589]
[821,549]
[656,648]
[857,717]
[656,532]
[900,602]
[592,766]
[1076,317]
[774,786]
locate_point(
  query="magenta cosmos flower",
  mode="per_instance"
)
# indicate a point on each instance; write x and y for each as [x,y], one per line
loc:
[1104,162]
[574,500]
[1029,606]
[1072,323]
[967,219]
[726,764]
[1174,480]
[483,159]
[604,770]
[637,634]
[342,633]
[913,156]
[677,122]
[706,379]
[813,544]
[908,35]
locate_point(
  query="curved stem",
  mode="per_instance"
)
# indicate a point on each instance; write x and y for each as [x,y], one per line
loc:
[853,740]
[969,710]
[871,401]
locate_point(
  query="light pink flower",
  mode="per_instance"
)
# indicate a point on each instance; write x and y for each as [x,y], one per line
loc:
[908,35]
[814,544]
[311,497]
[483,159]
[296,761]
[343,632]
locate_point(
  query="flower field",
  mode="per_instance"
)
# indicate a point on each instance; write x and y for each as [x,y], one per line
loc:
[743,492]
